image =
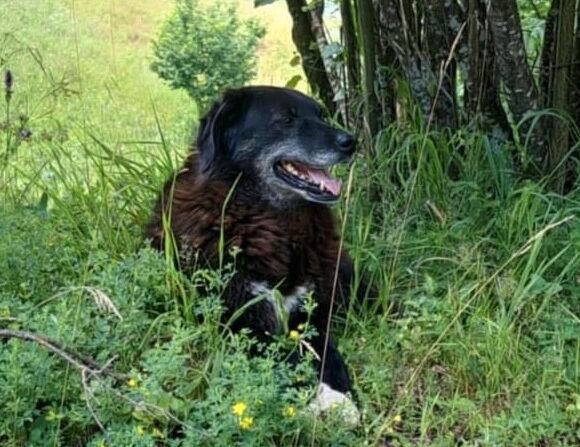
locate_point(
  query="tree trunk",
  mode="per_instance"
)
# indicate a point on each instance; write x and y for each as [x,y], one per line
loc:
[368,48]
[481,97]
[306,44]
[575,73]
[438,44]
[557,58]
[330,65]
[548,53]
[350,44]
[402,40]
[519,86]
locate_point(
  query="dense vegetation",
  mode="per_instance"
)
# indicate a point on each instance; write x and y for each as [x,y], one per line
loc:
[509,68]
[481,263]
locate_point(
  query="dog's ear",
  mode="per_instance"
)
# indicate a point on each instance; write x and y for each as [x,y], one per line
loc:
[215,130]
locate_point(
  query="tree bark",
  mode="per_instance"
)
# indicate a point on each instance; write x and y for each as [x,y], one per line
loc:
[557,59]
[350,46]
[519,86]
[387,75]
[368,46]
[482,101]
[401,39]
[306,44]
[548,53]
[575,73]
[330,65]
[438,44]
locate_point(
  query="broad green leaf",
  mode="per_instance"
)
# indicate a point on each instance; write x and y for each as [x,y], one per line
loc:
[293,81]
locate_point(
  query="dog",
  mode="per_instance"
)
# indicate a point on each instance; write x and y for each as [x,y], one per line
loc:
[259,183]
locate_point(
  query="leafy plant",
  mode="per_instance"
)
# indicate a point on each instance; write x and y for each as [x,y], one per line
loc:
[204,48]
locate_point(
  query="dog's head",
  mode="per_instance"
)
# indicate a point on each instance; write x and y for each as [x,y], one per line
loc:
[278,139]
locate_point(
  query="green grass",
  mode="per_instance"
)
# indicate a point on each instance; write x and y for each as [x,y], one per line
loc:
[485,349]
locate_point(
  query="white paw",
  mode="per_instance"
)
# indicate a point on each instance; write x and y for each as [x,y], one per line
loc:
[328,399]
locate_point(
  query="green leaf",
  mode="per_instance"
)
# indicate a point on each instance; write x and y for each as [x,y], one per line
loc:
[293,81]
[258,3]
[295,61]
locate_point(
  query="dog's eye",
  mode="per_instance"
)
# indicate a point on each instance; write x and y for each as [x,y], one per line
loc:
[290,116]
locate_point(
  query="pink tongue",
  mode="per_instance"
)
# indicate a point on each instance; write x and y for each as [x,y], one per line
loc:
[331,184]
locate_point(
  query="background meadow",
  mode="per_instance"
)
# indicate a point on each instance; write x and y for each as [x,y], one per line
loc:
[481,265]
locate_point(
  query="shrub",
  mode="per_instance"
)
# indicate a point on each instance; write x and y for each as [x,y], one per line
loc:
[204,48]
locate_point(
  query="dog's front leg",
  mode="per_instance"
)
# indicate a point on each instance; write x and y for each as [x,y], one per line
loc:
[334,390]
[250,308]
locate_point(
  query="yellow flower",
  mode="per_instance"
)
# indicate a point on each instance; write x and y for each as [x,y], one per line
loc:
[156,433]
[246,422]
[140,430]
[132,383]
[294,335]
[290,411]
[239,408]
[51,415]
[397,419]
[301,326]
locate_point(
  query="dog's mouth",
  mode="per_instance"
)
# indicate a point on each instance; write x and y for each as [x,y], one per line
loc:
[316,182]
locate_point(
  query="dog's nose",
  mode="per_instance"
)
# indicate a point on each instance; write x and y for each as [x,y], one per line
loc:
[345,141]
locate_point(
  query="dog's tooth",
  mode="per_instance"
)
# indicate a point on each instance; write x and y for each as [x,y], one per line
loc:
[290,168]
[322,186]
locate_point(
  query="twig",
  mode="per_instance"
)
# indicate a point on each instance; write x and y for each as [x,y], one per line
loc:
[77,360]
[85,365]
[88,396]
[88,367]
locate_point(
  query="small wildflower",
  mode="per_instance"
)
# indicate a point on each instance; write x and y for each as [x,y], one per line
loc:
[246,422]
[294,335]
[201,79]
[290,411]
[140,430]
[239,408]
[397,419]
[51,415]
[301,327]
[156,433]
[132,383]
[8,81]
[390,430]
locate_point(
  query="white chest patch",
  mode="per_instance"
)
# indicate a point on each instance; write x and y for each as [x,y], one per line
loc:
[283,304]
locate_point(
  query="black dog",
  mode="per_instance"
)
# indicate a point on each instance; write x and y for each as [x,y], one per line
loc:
[271,149]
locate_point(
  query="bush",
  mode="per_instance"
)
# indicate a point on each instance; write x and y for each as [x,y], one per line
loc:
[205,48]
